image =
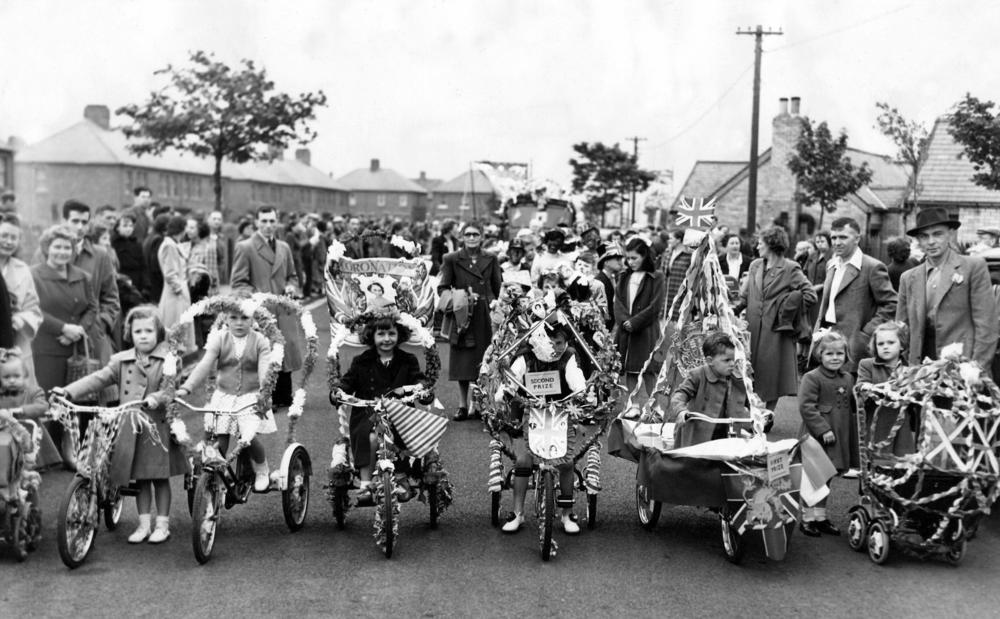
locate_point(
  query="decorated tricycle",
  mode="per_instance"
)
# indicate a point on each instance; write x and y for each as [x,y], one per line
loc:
[927,503]
[220,480]
[383,362]
[20,514]
[547,390]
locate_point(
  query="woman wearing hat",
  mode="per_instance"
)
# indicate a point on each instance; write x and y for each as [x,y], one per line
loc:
[948,298]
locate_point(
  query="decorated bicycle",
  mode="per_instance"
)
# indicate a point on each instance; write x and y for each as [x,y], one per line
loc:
[928,497]
[718,459]
[387,451]
[547,391]
[245,348]
[20,513]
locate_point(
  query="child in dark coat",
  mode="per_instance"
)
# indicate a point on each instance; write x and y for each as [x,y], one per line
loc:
[887,349]
[826,404]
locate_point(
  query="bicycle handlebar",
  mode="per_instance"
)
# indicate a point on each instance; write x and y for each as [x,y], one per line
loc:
[100,410]
[236,412]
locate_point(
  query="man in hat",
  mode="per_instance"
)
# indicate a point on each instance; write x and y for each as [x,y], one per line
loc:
[948,298]
[986,239]
[609,265]
[516,255]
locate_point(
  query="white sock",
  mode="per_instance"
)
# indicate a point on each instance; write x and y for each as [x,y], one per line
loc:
[808,514]
[820,513]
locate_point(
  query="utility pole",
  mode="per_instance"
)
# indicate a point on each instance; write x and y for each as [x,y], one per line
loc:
[635,156]
[758,34]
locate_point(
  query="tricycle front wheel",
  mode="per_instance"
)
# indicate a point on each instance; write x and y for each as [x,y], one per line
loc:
[205,515]
[548,507]
[295,498]
[77,523]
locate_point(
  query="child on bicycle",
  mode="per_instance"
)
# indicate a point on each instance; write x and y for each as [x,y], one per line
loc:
[711,390]
[240,355]
[384,369]
[148,459]
[826,404]
[550,351]
[20,399]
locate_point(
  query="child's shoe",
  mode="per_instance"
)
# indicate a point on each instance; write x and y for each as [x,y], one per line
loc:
[851,473]
[513,523]
[161,532]
[142,532]
[262,479]
[569,524]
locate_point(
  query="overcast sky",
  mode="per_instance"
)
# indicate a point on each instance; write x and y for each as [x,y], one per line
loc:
[433,85]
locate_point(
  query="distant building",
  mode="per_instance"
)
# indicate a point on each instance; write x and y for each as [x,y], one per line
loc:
[877,206]
[469,195]
[377,192]
[89,161]
[6,166]
[945,180]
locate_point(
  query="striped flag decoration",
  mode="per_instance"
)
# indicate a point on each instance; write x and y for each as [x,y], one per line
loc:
[495,482]
[420,430]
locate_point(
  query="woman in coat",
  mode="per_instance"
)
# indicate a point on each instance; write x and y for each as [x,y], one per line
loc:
[773,285]
[639,300]
[26,315]
[69,309]
[176,298]
[469,269]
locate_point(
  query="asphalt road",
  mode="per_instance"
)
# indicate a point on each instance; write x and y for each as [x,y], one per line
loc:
[468,568]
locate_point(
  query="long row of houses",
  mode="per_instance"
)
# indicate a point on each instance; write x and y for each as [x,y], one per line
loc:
[90,161]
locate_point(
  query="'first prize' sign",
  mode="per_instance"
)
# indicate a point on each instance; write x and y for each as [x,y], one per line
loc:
[542,384]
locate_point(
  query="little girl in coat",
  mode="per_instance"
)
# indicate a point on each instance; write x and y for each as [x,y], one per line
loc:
[826,403]
[241,356]
[139,373]
[887,348]
[22,399]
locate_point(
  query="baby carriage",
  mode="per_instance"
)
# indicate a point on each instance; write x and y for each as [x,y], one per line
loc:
[20,515]
[927,503]
[566,430]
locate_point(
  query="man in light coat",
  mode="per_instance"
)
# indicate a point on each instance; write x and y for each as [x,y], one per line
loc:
[857,293]
[948,298]
[264,263]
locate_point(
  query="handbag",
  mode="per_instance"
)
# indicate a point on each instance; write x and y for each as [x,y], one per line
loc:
[81,365]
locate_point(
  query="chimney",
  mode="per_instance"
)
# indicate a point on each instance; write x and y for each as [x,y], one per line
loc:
[423,175]
[783,106]
[795,105]
[100,115]
[304,156]
[275,153]
[374,167]
[776,184]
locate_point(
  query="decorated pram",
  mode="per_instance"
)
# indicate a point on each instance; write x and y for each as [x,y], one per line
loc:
[359,291]
[557,431]
[20,513]
[927,503]
[751,483]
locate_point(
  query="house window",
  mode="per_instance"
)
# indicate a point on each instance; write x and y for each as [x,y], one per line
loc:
[352,200]
[403,200]
[380,199]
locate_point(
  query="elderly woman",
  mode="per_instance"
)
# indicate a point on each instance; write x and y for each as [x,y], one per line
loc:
[26,314]
[69,309]
[777,297]
[176,297]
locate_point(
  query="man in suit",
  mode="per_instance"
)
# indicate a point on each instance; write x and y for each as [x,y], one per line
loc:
[948,298]
[263,263]
[857,293]
[141,211]
[444,244]
[221,244]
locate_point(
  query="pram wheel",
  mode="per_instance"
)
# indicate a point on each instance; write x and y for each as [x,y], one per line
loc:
[647,509]
[857,527]
[495,509]
[732,542]
[956,553]
[878,542]
[591,511]
[295,498]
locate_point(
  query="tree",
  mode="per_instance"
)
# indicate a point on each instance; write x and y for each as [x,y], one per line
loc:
[604,175]
[911,139]
[974,126]
[824,173]
[211,110]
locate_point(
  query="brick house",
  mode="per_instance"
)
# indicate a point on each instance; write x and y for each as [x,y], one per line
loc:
[877,206]
[89,161]
[377,192]
[468,195]
[6,165]
[945,180]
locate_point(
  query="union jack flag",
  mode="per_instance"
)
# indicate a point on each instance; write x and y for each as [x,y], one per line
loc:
[696,214]
[420,430]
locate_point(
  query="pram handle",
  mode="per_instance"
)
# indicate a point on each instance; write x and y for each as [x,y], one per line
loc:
[729,421]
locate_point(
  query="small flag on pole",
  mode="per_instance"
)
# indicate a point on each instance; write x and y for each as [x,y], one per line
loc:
[696,214]
[420,430]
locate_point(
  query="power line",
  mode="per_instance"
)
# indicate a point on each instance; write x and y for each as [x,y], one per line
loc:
[839,30]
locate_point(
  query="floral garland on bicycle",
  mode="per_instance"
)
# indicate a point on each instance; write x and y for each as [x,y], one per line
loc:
[220,305]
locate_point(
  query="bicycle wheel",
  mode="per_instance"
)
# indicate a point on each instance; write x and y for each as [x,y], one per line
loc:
[340,505]
[388,498]
[646,508]
[432,503]
[295,498]
[205,515]
[495,509]
[77,523]
[548,512]
[113,509]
